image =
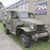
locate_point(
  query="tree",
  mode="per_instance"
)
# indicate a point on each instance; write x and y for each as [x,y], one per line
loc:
[1,5]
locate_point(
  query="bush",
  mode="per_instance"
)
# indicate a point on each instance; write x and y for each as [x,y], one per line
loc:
[0,20]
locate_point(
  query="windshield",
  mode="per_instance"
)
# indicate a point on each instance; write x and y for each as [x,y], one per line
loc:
[26,15]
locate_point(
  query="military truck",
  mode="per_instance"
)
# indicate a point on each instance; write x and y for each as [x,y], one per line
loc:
[23,24]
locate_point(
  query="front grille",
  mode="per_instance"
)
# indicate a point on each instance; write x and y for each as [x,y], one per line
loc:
[40,28]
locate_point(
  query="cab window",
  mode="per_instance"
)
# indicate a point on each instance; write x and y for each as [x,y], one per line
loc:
[14,15]
[31,15]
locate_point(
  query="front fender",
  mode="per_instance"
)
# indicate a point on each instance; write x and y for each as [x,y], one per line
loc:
[26,29]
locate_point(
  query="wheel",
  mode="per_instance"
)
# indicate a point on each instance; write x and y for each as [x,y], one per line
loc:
[6,30]
[45,38]
[25,40]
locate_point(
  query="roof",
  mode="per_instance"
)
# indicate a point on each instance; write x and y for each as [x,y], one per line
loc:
[19,10]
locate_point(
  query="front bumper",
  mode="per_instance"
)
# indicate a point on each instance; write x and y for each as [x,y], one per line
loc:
[41,35]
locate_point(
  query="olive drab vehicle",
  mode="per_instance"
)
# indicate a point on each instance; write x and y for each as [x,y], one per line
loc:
[23,24]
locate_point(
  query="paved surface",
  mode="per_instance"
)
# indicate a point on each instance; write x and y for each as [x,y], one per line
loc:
[6,43]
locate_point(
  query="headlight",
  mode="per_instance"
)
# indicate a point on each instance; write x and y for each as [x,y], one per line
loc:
[46,26]
[31,27]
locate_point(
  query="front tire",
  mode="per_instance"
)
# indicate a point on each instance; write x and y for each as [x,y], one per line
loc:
[25,40]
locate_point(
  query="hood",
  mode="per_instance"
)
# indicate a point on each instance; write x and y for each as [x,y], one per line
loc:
[33,21]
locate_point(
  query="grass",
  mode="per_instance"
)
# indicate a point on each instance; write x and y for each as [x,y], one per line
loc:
[39,45]
[1,26]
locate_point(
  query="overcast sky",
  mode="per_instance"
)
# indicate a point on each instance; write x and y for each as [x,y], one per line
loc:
[7,2]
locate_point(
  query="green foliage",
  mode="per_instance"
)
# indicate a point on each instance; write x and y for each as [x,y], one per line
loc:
[1,26]
[0,3]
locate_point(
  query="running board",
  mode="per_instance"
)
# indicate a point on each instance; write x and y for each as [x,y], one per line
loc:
[13,33]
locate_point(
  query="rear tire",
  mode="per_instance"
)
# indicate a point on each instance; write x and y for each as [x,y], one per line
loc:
[6,30]
[26,41]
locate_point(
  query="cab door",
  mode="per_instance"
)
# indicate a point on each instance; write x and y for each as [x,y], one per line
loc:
[8,20]
[15,20]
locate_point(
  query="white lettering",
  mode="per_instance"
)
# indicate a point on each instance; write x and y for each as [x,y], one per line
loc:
[41,7]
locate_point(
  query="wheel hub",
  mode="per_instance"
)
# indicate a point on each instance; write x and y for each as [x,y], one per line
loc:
[23,40]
